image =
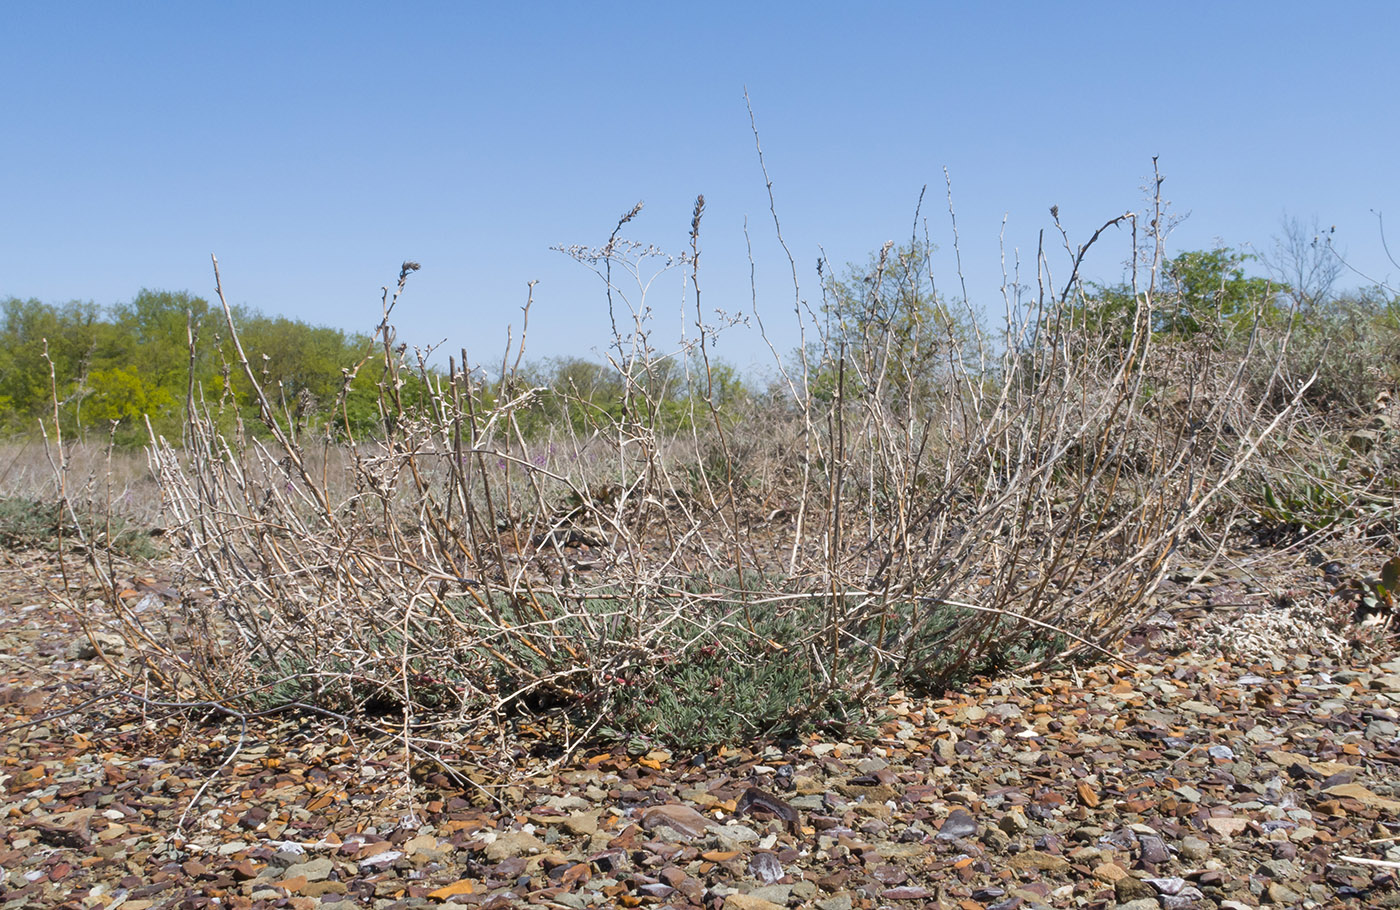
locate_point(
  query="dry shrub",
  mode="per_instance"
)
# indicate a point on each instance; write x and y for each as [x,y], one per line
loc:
[886,526]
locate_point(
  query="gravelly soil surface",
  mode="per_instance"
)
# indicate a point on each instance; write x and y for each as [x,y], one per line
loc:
[1246,756]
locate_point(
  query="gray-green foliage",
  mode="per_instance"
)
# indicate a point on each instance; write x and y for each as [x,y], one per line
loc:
[26,522]
[727,670]
[784,684]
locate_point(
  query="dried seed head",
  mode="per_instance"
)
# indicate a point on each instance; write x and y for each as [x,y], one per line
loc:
[695,217]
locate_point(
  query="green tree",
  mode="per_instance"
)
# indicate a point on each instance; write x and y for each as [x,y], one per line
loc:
[28,328]
[298,363]
[895,332]
[122,394]
[1200,290]
[152,331]
[1210,287]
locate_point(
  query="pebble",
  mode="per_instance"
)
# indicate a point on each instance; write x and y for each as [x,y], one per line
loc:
[1280,893]
[1194,849]
[313,871]
[380,861]
[680,818]
[737,901]
[1143,903]
[959,823]
[734,835]
[766,868]
[513,843]
[840,901]
[1130,889]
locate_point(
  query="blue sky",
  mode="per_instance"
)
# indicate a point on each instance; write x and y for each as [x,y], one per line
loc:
[314,147]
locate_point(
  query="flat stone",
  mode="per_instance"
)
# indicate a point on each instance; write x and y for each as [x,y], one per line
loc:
[749,902]
[1194,849]
[514,843]
[1363,796]
[1014,822]
[1186,900]
[906,893]
[1112,873]
[381,860]
[840,901]
[1381,731]
[461,886]
[1154,850]
[581,823]
[1131,889]
[313,870]
[959,823]
[737,833]
[1227,826]
[420,843]
[777,894]
[1037,861]
[1390,682]
[678,817]
[766,868]
[1171,885]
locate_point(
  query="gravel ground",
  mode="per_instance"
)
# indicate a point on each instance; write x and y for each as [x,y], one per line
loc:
[1246,755]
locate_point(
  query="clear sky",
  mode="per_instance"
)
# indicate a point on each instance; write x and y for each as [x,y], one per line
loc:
[315,146]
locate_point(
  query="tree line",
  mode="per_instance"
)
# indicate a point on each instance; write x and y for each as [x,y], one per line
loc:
[107,370]
[110,369]
[114,366]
